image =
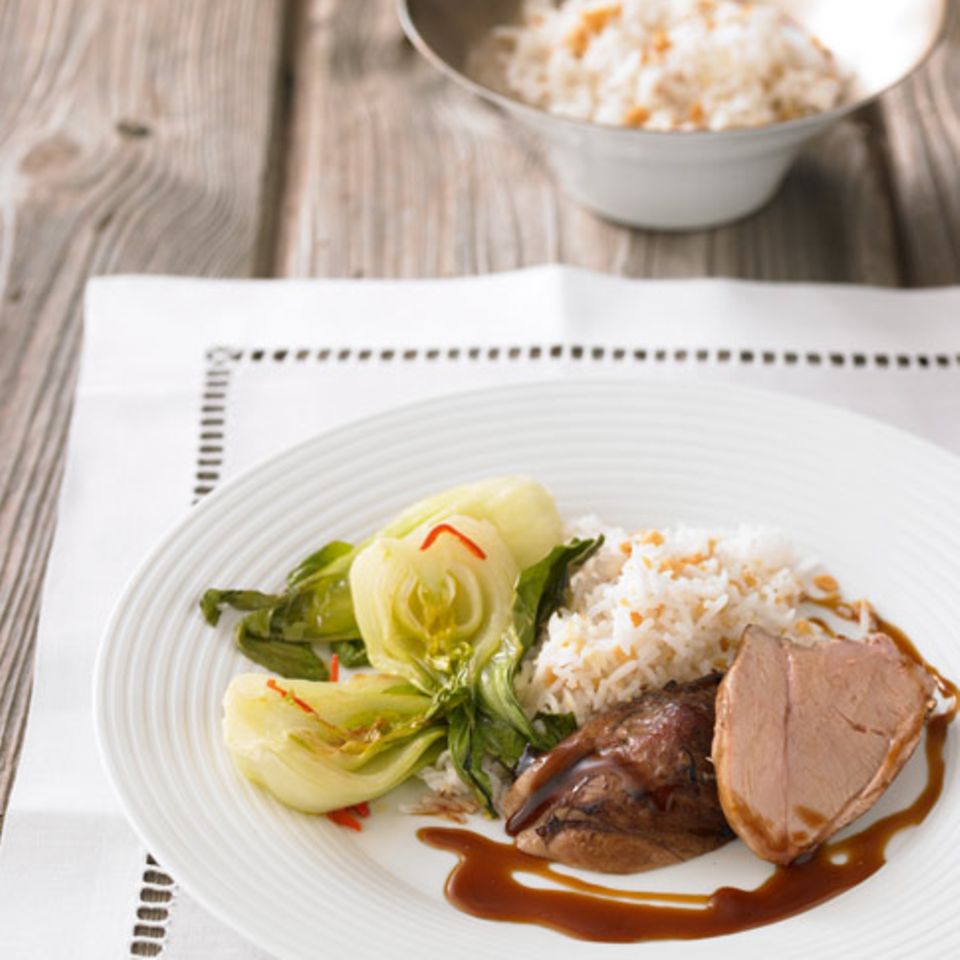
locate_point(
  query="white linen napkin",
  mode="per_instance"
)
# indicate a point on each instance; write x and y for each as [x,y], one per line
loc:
[185,382]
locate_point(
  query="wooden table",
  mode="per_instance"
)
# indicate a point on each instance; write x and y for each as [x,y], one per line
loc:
[307,139]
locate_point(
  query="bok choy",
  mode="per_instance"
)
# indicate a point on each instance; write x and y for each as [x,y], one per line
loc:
[322,746]
[316,606]
[433,606]
[539,592]
[444,602]
[493,724]
[449,610]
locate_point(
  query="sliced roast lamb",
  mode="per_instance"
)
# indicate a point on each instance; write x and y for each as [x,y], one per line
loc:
[808,738]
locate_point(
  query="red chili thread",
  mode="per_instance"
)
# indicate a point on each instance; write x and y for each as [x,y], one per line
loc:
[334,668]
[447,528]
[302,704]
[343,818]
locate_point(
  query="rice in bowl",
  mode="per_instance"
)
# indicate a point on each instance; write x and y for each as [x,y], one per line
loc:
[660,64]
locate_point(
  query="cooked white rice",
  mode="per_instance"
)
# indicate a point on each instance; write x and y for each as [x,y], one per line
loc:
[444,782]
[659,605]
[661,64]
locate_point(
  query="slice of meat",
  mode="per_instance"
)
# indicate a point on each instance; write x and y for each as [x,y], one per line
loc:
[632,789]
[808,738]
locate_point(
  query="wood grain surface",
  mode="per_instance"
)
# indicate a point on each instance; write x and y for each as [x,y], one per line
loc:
[135,137]
[234,137]
[921,140]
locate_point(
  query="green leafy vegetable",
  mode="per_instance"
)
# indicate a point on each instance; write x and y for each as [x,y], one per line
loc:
[452,613]
[522,511]
[495,725]
[542,587]
[322,746]
[456,619]
[323,560]
[279,629]
[435,615]
[465,744]
[474,735]
[287,659]
[444,601]
[352,653]
[554,727]
[317,605]
[539,592]
[213,600]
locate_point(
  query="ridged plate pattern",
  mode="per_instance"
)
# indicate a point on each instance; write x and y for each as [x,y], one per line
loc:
[881,508]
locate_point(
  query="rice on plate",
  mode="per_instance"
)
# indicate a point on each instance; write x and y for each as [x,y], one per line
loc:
[660,64]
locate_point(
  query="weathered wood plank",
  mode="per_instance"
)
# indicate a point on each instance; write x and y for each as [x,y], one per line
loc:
[395,172]
[135,137]
[922,123]
[831,222]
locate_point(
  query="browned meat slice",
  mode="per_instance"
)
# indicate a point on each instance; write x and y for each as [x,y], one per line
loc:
[808,738]
[632,789]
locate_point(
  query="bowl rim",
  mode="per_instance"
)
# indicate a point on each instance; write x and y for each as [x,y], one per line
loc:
[806,124]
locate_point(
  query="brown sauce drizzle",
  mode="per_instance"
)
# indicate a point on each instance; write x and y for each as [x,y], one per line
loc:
[561,765]
[484,883]
[812,818]
[823,625]
[561,768]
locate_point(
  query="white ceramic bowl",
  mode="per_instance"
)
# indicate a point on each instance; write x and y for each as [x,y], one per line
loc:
[681,180]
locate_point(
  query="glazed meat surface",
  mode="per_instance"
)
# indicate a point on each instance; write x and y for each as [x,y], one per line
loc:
[808,738]
[632,789]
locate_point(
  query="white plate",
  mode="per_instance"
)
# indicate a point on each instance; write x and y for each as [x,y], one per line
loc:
[881,508]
